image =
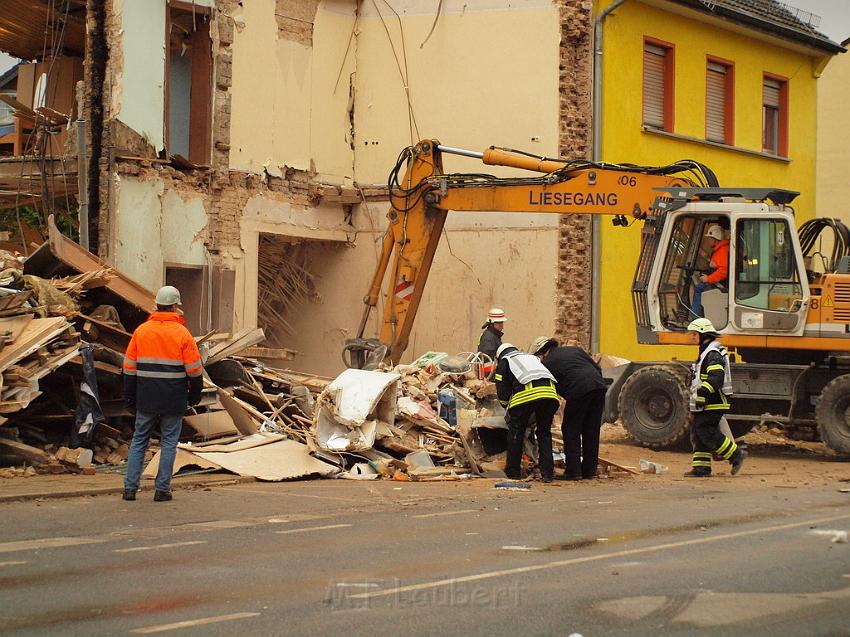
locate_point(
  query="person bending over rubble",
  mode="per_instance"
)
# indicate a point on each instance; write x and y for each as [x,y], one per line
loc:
[580,384]
[162,376]
[525,388]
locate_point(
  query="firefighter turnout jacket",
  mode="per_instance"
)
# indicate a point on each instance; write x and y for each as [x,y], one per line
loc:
[489,341]
[711,383]
[162,366]
[521,378]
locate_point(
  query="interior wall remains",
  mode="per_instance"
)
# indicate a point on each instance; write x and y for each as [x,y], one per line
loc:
[297,146]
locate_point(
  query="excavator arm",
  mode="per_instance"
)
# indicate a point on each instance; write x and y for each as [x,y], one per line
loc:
[422,197]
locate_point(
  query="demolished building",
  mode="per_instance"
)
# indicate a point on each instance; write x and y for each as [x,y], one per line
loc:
[227,142]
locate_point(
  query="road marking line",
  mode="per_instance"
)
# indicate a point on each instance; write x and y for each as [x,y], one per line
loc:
[314,528]
[158,546]
[592,558]
[287,494]
[14,562]
[192,622]
[47,543]
[442,513]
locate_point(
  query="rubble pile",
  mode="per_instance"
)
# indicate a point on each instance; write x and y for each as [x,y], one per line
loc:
[66,318]
[64,321]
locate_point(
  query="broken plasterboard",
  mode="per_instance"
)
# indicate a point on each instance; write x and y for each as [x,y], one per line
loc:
[211,424]
[281,460]
[351,407]
[181,460]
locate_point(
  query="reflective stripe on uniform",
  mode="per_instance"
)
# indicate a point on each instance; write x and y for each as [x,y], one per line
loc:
[497,377]
[162,361]
[708,386]
[711,368]
[531,392]
[727,449]
[701,459]
[194,369]
[150,374]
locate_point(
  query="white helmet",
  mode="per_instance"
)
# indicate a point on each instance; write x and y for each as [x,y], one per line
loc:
[496,315]
[702,326]
[504,347]
[715,232]
[168,295]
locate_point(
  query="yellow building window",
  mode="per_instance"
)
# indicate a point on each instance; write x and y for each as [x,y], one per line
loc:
[775,115]
[658,84]
[720,101]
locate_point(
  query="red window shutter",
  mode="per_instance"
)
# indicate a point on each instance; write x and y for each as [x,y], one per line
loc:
[654,89]
[715,102]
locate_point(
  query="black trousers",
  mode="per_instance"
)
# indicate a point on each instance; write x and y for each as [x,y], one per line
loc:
[582,422]
[708,438]
[544,411]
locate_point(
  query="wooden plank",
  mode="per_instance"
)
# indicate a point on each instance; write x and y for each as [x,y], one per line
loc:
[12,326]
[269,352]
[620,467]
[35,335]
[104,333]
[243,339]
[78,258]
[32,454]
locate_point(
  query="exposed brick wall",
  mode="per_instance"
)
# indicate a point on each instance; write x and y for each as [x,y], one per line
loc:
[573,288]
[295,20]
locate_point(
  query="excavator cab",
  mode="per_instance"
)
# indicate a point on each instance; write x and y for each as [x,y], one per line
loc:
[765,291]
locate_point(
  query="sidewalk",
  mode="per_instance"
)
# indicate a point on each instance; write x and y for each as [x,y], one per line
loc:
[75,485]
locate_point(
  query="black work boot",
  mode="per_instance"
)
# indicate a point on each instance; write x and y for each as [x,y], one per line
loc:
[737,460]
[129,494]
[161,496]
[699,472]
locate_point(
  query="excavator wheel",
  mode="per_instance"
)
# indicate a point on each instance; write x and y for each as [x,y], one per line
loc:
[833,414]
[653,405]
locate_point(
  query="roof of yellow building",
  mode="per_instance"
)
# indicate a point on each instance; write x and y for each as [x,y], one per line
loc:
[778,18]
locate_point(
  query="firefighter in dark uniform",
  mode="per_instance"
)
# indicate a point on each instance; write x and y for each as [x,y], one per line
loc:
[491,337]
[525,388]
[711,385]
[580,383]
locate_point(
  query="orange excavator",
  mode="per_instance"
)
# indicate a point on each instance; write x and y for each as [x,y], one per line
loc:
[785,307]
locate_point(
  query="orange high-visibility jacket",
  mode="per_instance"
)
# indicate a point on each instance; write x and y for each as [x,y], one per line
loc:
[162,366]
[719,261]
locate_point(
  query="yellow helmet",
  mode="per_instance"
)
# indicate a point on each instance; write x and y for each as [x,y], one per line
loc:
[702,326]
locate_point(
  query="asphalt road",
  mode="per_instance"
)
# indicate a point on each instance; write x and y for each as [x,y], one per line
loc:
[360,558]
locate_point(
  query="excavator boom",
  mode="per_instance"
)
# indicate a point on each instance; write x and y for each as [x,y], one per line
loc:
[422,197]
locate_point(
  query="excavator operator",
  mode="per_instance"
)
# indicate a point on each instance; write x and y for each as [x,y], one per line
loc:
[719,263]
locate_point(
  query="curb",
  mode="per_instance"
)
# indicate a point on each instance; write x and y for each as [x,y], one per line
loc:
[94,491]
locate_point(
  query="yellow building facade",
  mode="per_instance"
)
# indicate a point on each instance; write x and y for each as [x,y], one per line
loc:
[833,155]
[693,39]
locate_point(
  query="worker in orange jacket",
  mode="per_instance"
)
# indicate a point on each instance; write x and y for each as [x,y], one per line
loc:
[162,377]
[719,263]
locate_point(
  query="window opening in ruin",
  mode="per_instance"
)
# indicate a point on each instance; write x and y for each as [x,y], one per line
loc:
[285,284]
[191,281]
[188,89]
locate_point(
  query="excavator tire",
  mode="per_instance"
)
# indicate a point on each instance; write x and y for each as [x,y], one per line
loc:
[833,414]
[653,405]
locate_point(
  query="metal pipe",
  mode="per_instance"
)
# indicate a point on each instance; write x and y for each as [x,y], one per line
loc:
[460,151]
[83,183]
[596,249]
